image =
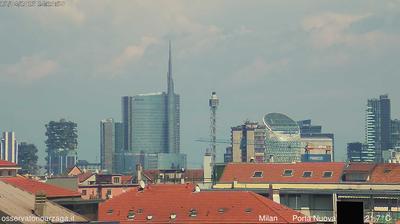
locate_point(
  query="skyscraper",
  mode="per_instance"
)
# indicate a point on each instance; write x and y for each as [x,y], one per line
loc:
[395,134]
[282,140]
[62,142]
[107,144]
[377,129]
[151,124]
[9,147]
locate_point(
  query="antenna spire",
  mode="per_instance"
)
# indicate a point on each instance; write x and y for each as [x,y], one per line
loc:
[170,88]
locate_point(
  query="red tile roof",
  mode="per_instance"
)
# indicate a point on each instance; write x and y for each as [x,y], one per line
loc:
[359,167]
[194,174]
[273,172]
[4,163]
[84,176]
[33,186]
[126,179]
[161,201]
[385,173]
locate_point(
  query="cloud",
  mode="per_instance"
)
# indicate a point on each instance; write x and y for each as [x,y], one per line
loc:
[128,55]
[332,29]
[329,29]
[29,69]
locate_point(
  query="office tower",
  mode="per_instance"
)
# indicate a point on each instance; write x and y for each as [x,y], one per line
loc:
[107,144]
[9,147]
[354,152]
[61,143]
[247,143]
[395,134]
[127,121]
[119,136]
[318,146]
[307,128]
[377,129]
[151,124]
[282,140]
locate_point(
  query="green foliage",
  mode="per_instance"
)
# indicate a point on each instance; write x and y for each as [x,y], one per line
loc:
[61,135]
[27,158]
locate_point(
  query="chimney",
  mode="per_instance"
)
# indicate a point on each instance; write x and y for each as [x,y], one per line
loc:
[139,171]
[40,203]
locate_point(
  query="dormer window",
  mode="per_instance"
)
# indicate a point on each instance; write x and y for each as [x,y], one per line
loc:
[307,174]
[287,173]
[327,174]
[258,174]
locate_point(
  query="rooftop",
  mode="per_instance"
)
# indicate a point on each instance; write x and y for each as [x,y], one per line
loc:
[321,172]
[184,205]
[33,186]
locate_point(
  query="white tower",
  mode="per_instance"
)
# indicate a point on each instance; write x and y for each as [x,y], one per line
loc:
[213,103]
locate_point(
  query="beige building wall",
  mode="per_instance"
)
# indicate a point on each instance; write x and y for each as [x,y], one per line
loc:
[236,138]
[250,145]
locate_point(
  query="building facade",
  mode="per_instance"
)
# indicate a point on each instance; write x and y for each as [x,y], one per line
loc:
[377,129]
[395,134]
[107,144]
[247,143]
[318,146]
[283,142]
[9,147]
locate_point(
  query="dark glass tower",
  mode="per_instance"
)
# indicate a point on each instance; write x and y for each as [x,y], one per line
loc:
[377,129]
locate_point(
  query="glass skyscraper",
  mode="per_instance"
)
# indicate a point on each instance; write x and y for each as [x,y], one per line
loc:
[151,124]
[377,129]
[282,140]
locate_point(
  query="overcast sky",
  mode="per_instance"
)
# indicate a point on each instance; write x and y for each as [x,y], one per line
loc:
[308,59]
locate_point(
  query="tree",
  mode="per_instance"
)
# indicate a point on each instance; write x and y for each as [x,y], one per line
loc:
[27,158]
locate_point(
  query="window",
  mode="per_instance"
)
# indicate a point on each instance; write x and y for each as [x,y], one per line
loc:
[258,174]
[193,212]
[116,180]
[248,210]
[307,174]
[131,214]
[110,211]
[327,174]
[84,192]
[287,173]
[109,192]
[387,170]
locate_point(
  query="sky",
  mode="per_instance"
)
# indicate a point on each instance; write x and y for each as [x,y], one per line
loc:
[309,59]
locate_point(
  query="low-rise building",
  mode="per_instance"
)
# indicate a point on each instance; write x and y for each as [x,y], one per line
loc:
[185,203]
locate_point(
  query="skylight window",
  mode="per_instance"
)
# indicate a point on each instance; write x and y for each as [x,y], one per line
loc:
[248,210]
[110,211]
[387,170]
[258,174]
[287,173]
[327,174]
[193,212]
[131,214]
[307,174]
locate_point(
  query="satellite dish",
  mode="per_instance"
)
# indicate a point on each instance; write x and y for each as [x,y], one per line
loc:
[197,189]
[142,185]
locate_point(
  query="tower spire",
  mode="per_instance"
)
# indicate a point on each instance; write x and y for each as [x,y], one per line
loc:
[170,88]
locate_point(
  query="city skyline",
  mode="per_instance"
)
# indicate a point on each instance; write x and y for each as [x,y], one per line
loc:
[292,65]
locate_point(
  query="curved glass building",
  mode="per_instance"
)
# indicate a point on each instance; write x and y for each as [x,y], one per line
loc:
[282,140]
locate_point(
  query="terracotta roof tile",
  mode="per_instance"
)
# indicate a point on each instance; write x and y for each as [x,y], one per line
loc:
[84,176]
[386,173]
[273,172]
[159,202]
[33,186]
